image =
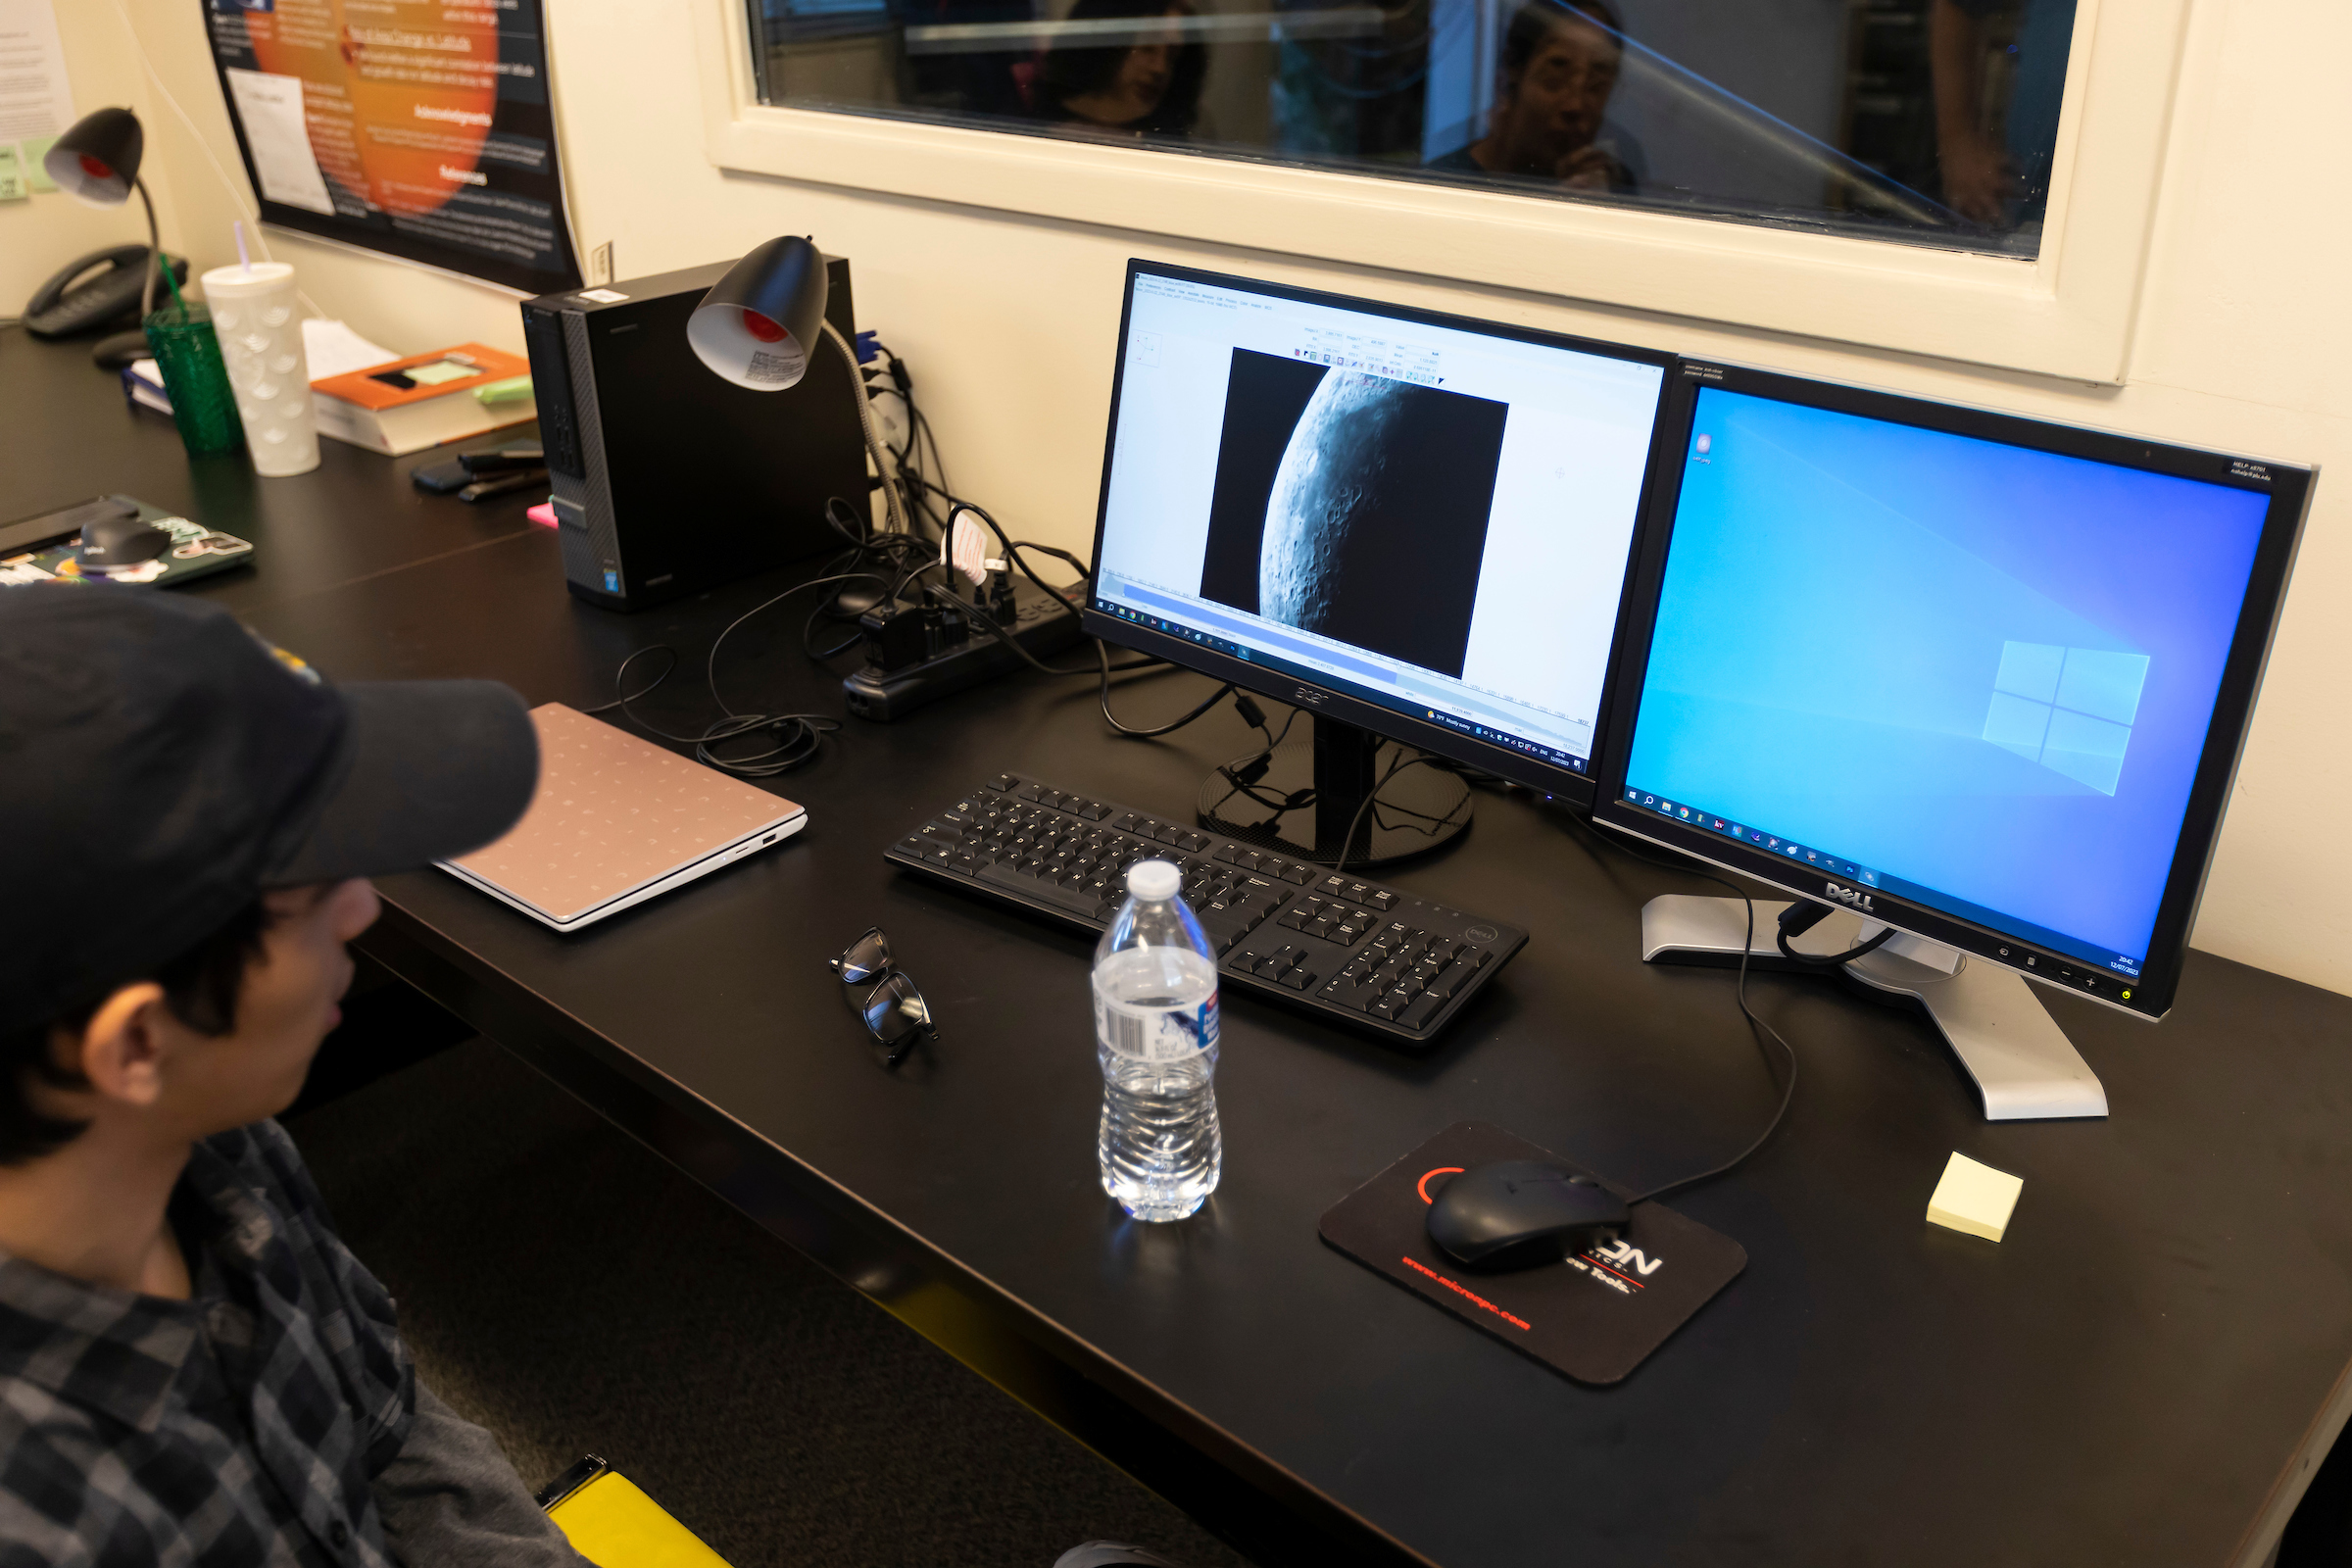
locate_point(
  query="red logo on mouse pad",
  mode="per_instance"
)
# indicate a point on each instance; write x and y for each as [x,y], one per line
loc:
[1595,1316]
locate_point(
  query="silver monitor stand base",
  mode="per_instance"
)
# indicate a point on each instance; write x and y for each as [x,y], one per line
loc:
[2025,1068]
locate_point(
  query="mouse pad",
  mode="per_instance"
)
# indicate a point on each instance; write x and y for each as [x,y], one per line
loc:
[1595,1316]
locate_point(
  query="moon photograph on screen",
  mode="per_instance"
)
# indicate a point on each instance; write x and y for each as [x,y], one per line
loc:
[1355,504]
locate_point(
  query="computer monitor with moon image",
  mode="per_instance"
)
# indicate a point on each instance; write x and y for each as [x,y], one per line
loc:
[1412,526]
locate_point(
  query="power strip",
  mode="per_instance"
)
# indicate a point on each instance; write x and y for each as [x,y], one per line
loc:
[1041,624]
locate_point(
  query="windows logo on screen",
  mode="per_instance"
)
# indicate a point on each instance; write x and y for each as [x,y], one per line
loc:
[2068,709]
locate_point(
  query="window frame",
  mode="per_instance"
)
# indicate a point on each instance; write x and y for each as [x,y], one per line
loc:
[2066,312]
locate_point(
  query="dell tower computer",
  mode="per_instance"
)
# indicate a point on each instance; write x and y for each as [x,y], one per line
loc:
[1975,683]
[668,479]
[1414,526]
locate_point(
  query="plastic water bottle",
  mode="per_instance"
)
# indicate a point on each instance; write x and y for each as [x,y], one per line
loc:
[1156,1031]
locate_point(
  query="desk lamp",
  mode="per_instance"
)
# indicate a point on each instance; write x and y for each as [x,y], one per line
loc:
[754,329]
[97,159]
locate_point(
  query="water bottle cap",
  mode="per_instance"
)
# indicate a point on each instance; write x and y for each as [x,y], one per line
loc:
[1153,879]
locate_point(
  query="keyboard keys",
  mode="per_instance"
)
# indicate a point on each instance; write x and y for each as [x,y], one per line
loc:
[1070,852]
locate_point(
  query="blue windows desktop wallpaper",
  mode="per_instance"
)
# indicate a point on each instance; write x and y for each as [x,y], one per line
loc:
[1982,670]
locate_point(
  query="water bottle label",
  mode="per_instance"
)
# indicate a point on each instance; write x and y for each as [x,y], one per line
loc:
[1156,1034]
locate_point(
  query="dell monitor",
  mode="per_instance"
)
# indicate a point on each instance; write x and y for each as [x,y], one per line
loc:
[1400,522]
[1979,679]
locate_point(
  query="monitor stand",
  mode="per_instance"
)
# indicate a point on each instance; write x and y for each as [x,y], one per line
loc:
[2025,1067]
[1342,766]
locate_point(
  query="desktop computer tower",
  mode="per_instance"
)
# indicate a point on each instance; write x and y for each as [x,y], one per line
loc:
[669,480]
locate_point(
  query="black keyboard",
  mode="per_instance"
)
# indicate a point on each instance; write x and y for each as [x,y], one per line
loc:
[1350,950]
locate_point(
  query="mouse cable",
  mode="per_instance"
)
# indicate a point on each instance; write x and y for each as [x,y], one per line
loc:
[1739,992]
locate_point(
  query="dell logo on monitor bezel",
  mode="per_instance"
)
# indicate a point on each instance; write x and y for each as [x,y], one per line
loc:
[1852,897]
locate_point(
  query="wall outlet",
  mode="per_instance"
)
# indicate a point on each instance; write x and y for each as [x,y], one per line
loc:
[600,264]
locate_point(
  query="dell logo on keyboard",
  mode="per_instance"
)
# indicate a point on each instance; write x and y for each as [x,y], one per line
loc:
[1848,895]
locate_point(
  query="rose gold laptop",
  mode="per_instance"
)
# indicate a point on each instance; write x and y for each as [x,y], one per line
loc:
[618,821]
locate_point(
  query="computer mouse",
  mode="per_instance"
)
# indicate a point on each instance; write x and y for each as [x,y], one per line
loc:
[121,541]
[1516,1213]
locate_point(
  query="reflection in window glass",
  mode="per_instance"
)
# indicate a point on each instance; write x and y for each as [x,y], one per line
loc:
[1928,121]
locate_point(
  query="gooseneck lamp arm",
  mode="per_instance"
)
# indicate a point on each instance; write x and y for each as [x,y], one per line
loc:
[757,327]
[892,499]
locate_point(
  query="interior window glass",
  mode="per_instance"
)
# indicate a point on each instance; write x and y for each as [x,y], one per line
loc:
[1922,121]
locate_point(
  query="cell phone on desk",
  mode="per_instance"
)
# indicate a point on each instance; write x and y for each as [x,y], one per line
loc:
[458,475]
[499,484]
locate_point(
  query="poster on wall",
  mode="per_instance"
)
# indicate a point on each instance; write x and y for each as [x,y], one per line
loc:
[420,128]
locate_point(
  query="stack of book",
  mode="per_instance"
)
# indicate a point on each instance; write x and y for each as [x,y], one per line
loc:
[386,404]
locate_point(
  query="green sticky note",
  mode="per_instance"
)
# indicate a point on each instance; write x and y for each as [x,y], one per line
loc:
[36,174]
[513,389]
[441,370]
[11,175]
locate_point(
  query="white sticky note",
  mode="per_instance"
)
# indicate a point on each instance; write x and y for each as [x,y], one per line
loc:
[270,107]
[330,348]
[1976,1199]
[36,99]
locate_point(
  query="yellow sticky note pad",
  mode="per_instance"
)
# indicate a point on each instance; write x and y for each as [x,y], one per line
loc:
[1976,1199]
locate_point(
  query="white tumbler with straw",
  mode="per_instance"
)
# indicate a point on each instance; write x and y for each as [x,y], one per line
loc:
[260,326]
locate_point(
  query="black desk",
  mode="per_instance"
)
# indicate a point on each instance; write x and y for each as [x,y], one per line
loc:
[2144,1372]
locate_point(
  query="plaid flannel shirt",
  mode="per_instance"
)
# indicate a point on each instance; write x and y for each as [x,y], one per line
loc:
[243,1426]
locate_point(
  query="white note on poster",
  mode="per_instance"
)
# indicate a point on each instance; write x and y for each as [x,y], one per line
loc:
[270,107]
[36,99]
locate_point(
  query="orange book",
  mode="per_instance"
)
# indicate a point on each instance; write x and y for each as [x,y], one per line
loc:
[405,406]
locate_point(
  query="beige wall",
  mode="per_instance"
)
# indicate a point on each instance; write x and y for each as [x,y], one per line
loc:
[43,232]
[2241,340]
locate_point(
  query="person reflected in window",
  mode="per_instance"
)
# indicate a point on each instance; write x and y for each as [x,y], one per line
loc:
[1145,84]
[1998,174]
[1559,65]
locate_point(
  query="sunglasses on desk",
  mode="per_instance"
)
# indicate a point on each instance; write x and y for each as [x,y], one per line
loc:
[895,1011]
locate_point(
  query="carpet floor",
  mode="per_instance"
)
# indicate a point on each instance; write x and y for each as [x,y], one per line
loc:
[569,1291]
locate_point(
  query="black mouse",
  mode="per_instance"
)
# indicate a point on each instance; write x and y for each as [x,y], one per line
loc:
[123,541]
[1516,1213]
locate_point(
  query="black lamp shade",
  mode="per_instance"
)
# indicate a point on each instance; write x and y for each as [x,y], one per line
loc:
[98,157]
[758,324]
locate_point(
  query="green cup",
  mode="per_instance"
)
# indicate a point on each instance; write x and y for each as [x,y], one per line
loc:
[195,379]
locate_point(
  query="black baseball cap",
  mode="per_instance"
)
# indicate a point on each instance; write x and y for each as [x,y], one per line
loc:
[161,765]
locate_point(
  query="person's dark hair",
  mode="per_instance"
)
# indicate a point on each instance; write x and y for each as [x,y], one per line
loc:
[1074,71]
[201,987]
[1540,20]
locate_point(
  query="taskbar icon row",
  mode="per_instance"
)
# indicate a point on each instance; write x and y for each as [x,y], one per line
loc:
[1789,849]
[1171,628]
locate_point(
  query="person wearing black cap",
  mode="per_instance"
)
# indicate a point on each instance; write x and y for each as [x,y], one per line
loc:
[193,1367]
